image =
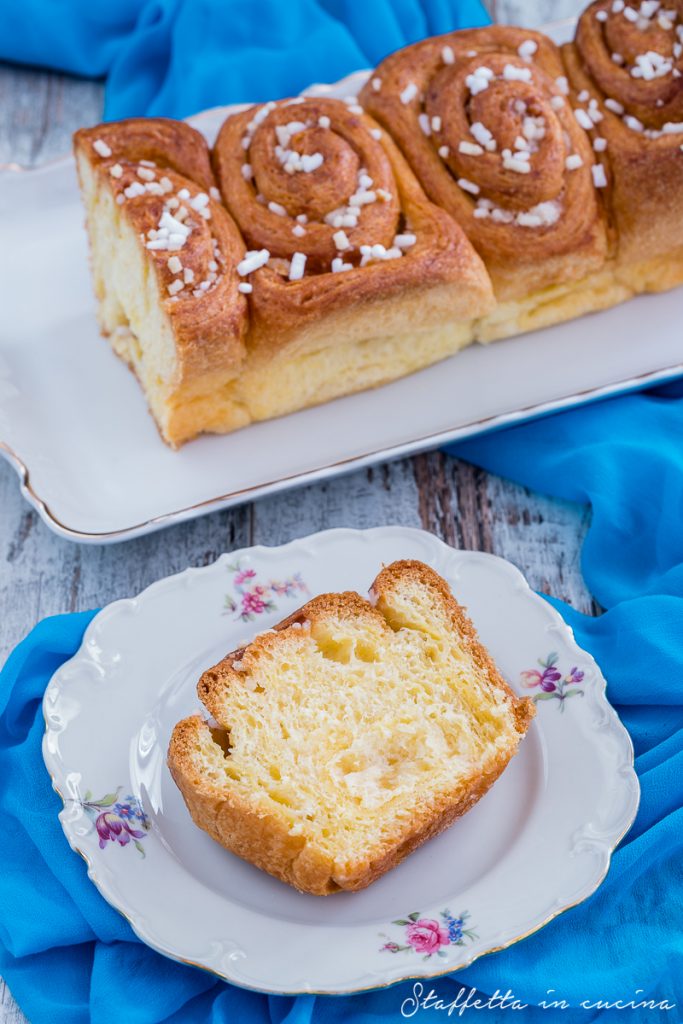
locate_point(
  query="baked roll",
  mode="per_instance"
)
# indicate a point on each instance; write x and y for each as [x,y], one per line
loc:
[164,253]
[484,119]
[505,185]
[628,63]
[336,743]
[342,277]
[355,278]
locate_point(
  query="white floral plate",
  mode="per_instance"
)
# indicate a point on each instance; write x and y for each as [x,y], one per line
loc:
[74,423]
[539,842]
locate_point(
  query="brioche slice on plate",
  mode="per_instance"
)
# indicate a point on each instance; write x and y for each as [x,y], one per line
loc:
[348,735]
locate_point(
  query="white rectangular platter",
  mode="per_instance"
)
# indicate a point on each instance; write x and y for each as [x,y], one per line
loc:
[74,423]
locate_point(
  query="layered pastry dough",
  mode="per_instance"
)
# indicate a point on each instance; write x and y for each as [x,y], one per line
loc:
[346,276]
[504,185]
[486,122]
[348,735]
[366,280]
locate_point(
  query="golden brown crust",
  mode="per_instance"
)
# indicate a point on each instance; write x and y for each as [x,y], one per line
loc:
[290,344]
[261,837]
[239,354]
[644,165]
[433,822]
[461,624]
[167,143]
[521,259]
[284,311]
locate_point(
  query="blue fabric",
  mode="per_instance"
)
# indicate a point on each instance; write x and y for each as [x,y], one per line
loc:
[68,957]
[177,57]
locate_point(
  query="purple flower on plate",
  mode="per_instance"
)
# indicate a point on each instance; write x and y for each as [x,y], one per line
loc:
[547,679]
[111,827]
[575,676]
[124,810]
[130,809]
[551,682]
[117,820]
[281,589]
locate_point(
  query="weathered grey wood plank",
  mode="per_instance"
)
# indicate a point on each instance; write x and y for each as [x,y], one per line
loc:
[373,497]
[533,13]
[9,1011]
[471,509]
[40,111]
[44,574]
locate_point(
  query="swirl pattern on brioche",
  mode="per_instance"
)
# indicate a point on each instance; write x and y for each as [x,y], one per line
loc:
[160,175]
[310,169]
[635,57]
[483,118]
[627,62]
[332,215]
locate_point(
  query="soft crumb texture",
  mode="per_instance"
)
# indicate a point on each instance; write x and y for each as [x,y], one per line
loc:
[131,310]
[350,734]
[169,305]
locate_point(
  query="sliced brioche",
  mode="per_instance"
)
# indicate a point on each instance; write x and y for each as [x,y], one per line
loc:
[350,734]
[170,306]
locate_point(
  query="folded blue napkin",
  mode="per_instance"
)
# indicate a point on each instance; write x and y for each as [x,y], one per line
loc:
[69,958]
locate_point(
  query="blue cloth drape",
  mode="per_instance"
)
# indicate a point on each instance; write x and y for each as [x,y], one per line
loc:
[177,57]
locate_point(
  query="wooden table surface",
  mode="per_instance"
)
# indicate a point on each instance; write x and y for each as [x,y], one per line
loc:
[43,574]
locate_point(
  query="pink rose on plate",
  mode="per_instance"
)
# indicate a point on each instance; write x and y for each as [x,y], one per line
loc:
[426,936]
[252,604]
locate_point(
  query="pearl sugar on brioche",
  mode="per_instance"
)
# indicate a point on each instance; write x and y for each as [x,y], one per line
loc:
[349,734]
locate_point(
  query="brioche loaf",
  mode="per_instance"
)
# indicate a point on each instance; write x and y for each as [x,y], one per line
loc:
[222,329]
[350,734]
[638,131]
[484,183]
[137,177]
